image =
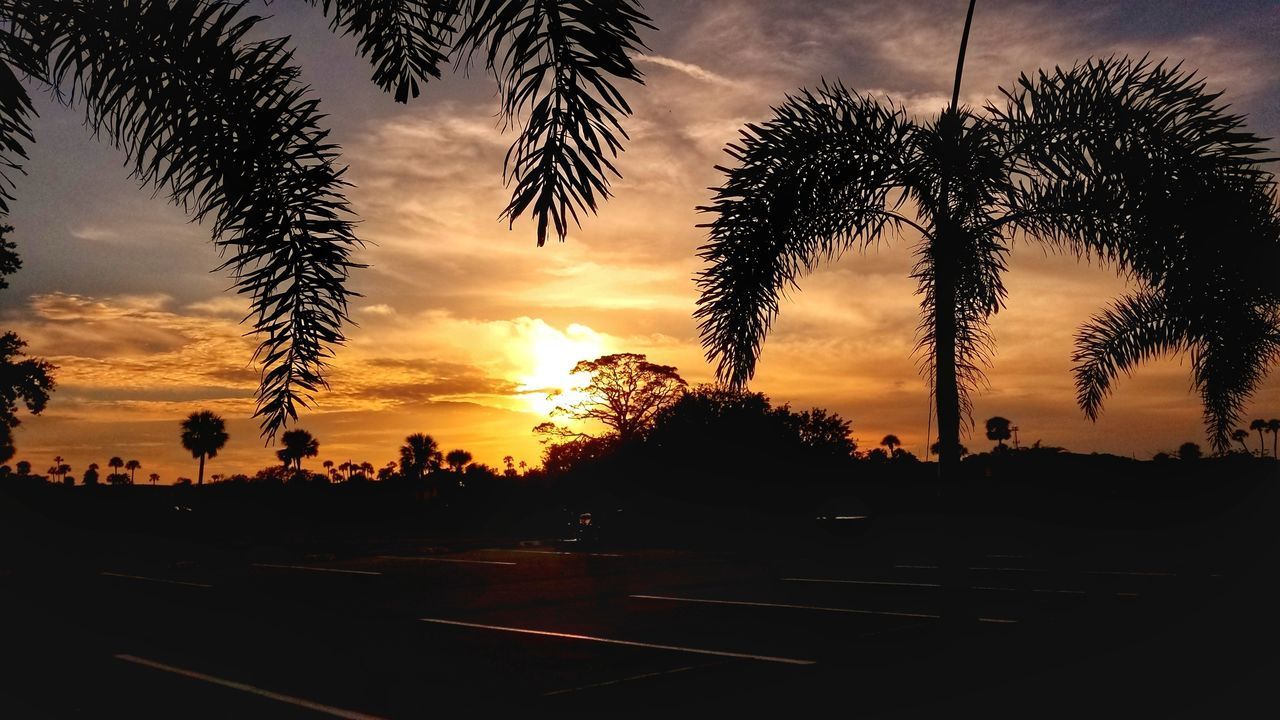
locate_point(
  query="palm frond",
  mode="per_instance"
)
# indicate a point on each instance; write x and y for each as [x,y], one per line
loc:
[1229,362]
[405,40]
[223,125]
[17,57]
[1135,329]
[811,182]
[556,62]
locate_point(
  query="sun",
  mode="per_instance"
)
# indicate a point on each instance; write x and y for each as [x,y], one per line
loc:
[550,357]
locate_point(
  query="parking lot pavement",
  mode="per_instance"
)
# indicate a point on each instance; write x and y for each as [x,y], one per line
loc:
[121,632]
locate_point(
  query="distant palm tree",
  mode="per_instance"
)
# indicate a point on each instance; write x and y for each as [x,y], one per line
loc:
[892,442]
[366,468]
[419,455]
[457,459]
[23,467]
[63,470]
[204,434]
[1128,161]
[1240,435]
[328,467]
[298,444]
[1273,427]
[1260,426]
[115,463]
[236,139]
[132,466]
[154,478]
[91,474]
[998,429]
[57,463]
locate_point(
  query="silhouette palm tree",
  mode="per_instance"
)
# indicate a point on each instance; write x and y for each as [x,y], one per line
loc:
[1273,427]
[419,454]
[204,434]
[1260,426]
[892,442]
[328,468]
[154,478]
[236,137]
[457,459]
[1240,435]
[115,463]
[1127,161]
[298,444]
[23,467]
[999,429]
[132,466]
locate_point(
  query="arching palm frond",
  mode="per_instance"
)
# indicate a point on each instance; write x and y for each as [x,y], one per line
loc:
[556,61]
[223,125]
[812,182]
[1134,329]
[15,108]
[405,40]
[1229,362]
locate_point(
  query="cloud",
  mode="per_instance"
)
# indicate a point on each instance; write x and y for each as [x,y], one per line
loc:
[697,72]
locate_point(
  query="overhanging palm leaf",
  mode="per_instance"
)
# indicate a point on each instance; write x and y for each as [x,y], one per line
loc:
[225,128]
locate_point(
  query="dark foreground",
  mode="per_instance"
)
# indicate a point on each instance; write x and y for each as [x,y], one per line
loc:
[921,614]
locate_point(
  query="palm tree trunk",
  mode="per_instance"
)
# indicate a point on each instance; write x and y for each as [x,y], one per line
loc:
[200,481]
[1262,444]
[945,385]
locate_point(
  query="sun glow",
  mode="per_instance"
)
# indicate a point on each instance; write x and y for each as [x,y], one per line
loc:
[551,355]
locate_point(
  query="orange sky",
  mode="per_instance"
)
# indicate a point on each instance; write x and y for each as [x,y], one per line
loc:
[463,323]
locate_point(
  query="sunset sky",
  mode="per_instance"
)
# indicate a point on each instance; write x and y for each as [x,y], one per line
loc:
[464,324]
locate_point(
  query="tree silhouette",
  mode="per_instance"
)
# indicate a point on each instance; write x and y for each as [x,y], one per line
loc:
[1189,451]
[457,459]
[1126,161]
[115,463]
[1240,435]
[999,429]
[91,475]
[132,466]
[235,137]
[63,470]
[23,467]
[28,381]
[624,393]
[419,455]
[154,478]
[892,442]
[1273,427]
[298,444]
[935,447]
[1260,426]
[204,434]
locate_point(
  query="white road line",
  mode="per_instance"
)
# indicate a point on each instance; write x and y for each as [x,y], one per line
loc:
[1001,621]
[243,687]
[785,606]
[158,580]
[917,567]
[628,643]
[554,552]
[444,560]
[1060,592]
[316,569]
[862,582]
[1034,590]
[619,681]
[1139,573]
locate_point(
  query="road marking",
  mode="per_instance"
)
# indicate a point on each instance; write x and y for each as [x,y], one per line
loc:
[316,569]
[1061,592]
[628,643]
[619,681]
[1008,569]
[158,580]
[554,552]
[862,582]
[917,567]
[444,560]
[1001,621]
[244,687]
[1139,573]
[788,607]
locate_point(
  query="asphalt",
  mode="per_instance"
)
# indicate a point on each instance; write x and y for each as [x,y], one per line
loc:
[920,615]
